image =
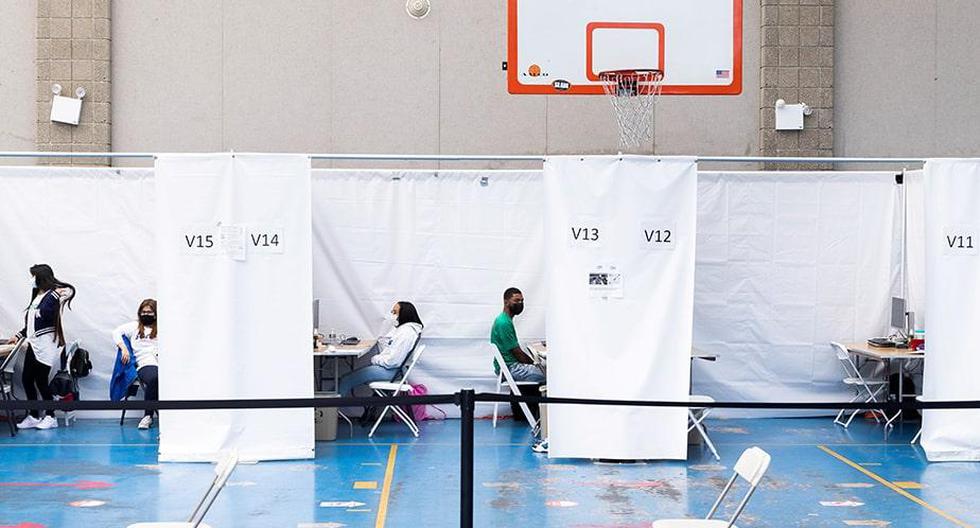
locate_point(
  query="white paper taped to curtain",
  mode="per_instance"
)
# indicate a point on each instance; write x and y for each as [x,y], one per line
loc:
[786,263]
[620,235]
[952,191]
[235,282]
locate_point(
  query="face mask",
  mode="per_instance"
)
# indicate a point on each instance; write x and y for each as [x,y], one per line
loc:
[148,320]
[392,318]
[516,308]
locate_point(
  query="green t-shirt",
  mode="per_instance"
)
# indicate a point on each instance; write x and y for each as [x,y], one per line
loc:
[504,337]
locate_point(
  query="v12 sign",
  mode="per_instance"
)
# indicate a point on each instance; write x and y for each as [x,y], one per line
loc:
[658,234]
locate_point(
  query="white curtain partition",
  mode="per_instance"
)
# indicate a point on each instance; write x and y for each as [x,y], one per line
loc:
[619,246]
[952,246]
[785,262]
[233,244]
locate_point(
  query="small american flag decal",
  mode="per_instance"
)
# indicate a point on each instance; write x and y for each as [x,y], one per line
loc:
[723,74]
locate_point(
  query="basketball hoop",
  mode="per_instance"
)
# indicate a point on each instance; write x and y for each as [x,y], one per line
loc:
[633,94]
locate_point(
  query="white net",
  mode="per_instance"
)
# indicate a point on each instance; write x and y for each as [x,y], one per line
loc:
[634,96]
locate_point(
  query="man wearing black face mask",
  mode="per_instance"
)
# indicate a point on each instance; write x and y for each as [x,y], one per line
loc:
[504,337]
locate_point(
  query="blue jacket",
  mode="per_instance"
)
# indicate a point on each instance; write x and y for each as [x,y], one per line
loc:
[47,314]
[122,375]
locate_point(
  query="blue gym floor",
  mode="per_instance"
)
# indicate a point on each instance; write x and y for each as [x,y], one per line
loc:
[397,480]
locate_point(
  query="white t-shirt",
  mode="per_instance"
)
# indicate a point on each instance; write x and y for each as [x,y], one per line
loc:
[144,348]
[45,347]
[394,347]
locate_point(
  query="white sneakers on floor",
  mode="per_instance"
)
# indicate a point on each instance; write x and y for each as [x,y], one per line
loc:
[47,422]
[146,422]
[31,422]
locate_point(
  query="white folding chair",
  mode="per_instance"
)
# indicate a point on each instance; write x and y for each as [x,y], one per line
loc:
[222,471]
[918,434]
[863,388]
[505,376]
[390,389]
[696,420]
[70,349]
[751,466]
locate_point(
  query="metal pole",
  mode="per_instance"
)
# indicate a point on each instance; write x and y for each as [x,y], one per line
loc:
[471,157]
[467,405]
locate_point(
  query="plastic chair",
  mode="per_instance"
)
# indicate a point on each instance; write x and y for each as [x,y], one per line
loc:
[222,471]
[505,376]
[751,466]
[390,389]
[696,421]
[862,387]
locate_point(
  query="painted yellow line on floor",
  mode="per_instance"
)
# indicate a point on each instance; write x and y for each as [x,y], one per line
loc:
[891,485]
[386,488]
[366,484]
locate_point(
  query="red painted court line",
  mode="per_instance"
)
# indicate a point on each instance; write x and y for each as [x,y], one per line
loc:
[25,525]
[81,485]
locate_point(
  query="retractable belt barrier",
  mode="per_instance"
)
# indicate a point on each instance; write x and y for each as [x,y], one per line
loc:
[455,398]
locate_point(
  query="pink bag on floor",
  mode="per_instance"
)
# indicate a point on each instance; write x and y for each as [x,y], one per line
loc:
[419,412]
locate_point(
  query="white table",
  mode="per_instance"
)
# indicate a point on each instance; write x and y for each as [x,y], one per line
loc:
[350,353]
[888,355]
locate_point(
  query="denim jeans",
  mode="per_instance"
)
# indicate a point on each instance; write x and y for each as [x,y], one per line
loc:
[363,376]
[526,372]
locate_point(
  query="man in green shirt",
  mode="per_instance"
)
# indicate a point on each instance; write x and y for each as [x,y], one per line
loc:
[504,337]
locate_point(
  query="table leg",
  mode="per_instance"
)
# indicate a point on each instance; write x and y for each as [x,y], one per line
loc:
[336,375]
[901,374]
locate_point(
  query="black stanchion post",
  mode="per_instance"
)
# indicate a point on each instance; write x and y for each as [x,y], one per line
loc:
[467,405]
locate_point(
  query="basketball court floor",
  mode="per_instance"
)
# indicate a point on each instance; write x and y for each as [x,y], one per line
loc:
[97,473]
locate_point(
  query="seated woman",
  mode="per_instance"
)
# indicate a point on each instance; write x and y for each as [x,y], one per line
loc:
[393,349]
[142,335]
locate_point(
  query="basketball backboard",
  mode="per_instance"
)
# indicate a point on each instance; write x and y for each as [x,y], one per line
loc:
[560,46]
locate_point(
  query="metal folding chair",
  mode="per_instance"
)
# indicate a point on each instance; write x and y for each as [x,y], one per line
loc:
[696,420]
[505,376]
[863,388]
[7,381]
[390,389]
[222,471]
[751,467]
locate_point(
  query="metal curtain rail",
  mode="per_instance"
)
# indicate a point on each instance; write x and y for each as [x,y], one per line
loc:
[472,157]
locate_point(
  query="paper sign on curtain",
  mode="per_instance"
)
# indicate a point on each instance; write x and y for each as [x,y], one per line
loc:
[234,244]
[952,219]
[619,242]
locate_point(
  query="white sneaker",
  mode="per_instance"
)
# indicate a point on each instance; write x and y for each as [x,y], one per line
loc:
[47,423]
[146,422]
[28,423]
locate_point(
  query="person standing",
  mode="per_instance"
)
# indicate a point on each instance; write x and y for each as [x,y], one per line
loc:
[45,340]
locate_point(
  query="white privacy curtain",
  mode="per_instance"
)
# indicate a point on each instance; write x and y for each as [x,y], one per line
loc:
[95,228]
[786,263]
[952,245]
[451,241]
[619,240]
[235,280]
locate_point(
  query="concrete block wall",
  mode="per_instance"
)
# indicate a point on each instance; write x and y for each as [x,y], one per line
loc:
[73,50]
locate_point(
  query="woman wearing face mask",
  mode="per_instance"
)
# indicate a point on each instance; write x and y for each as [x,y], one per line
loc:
[142,336]
[45,340]
[393,349]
